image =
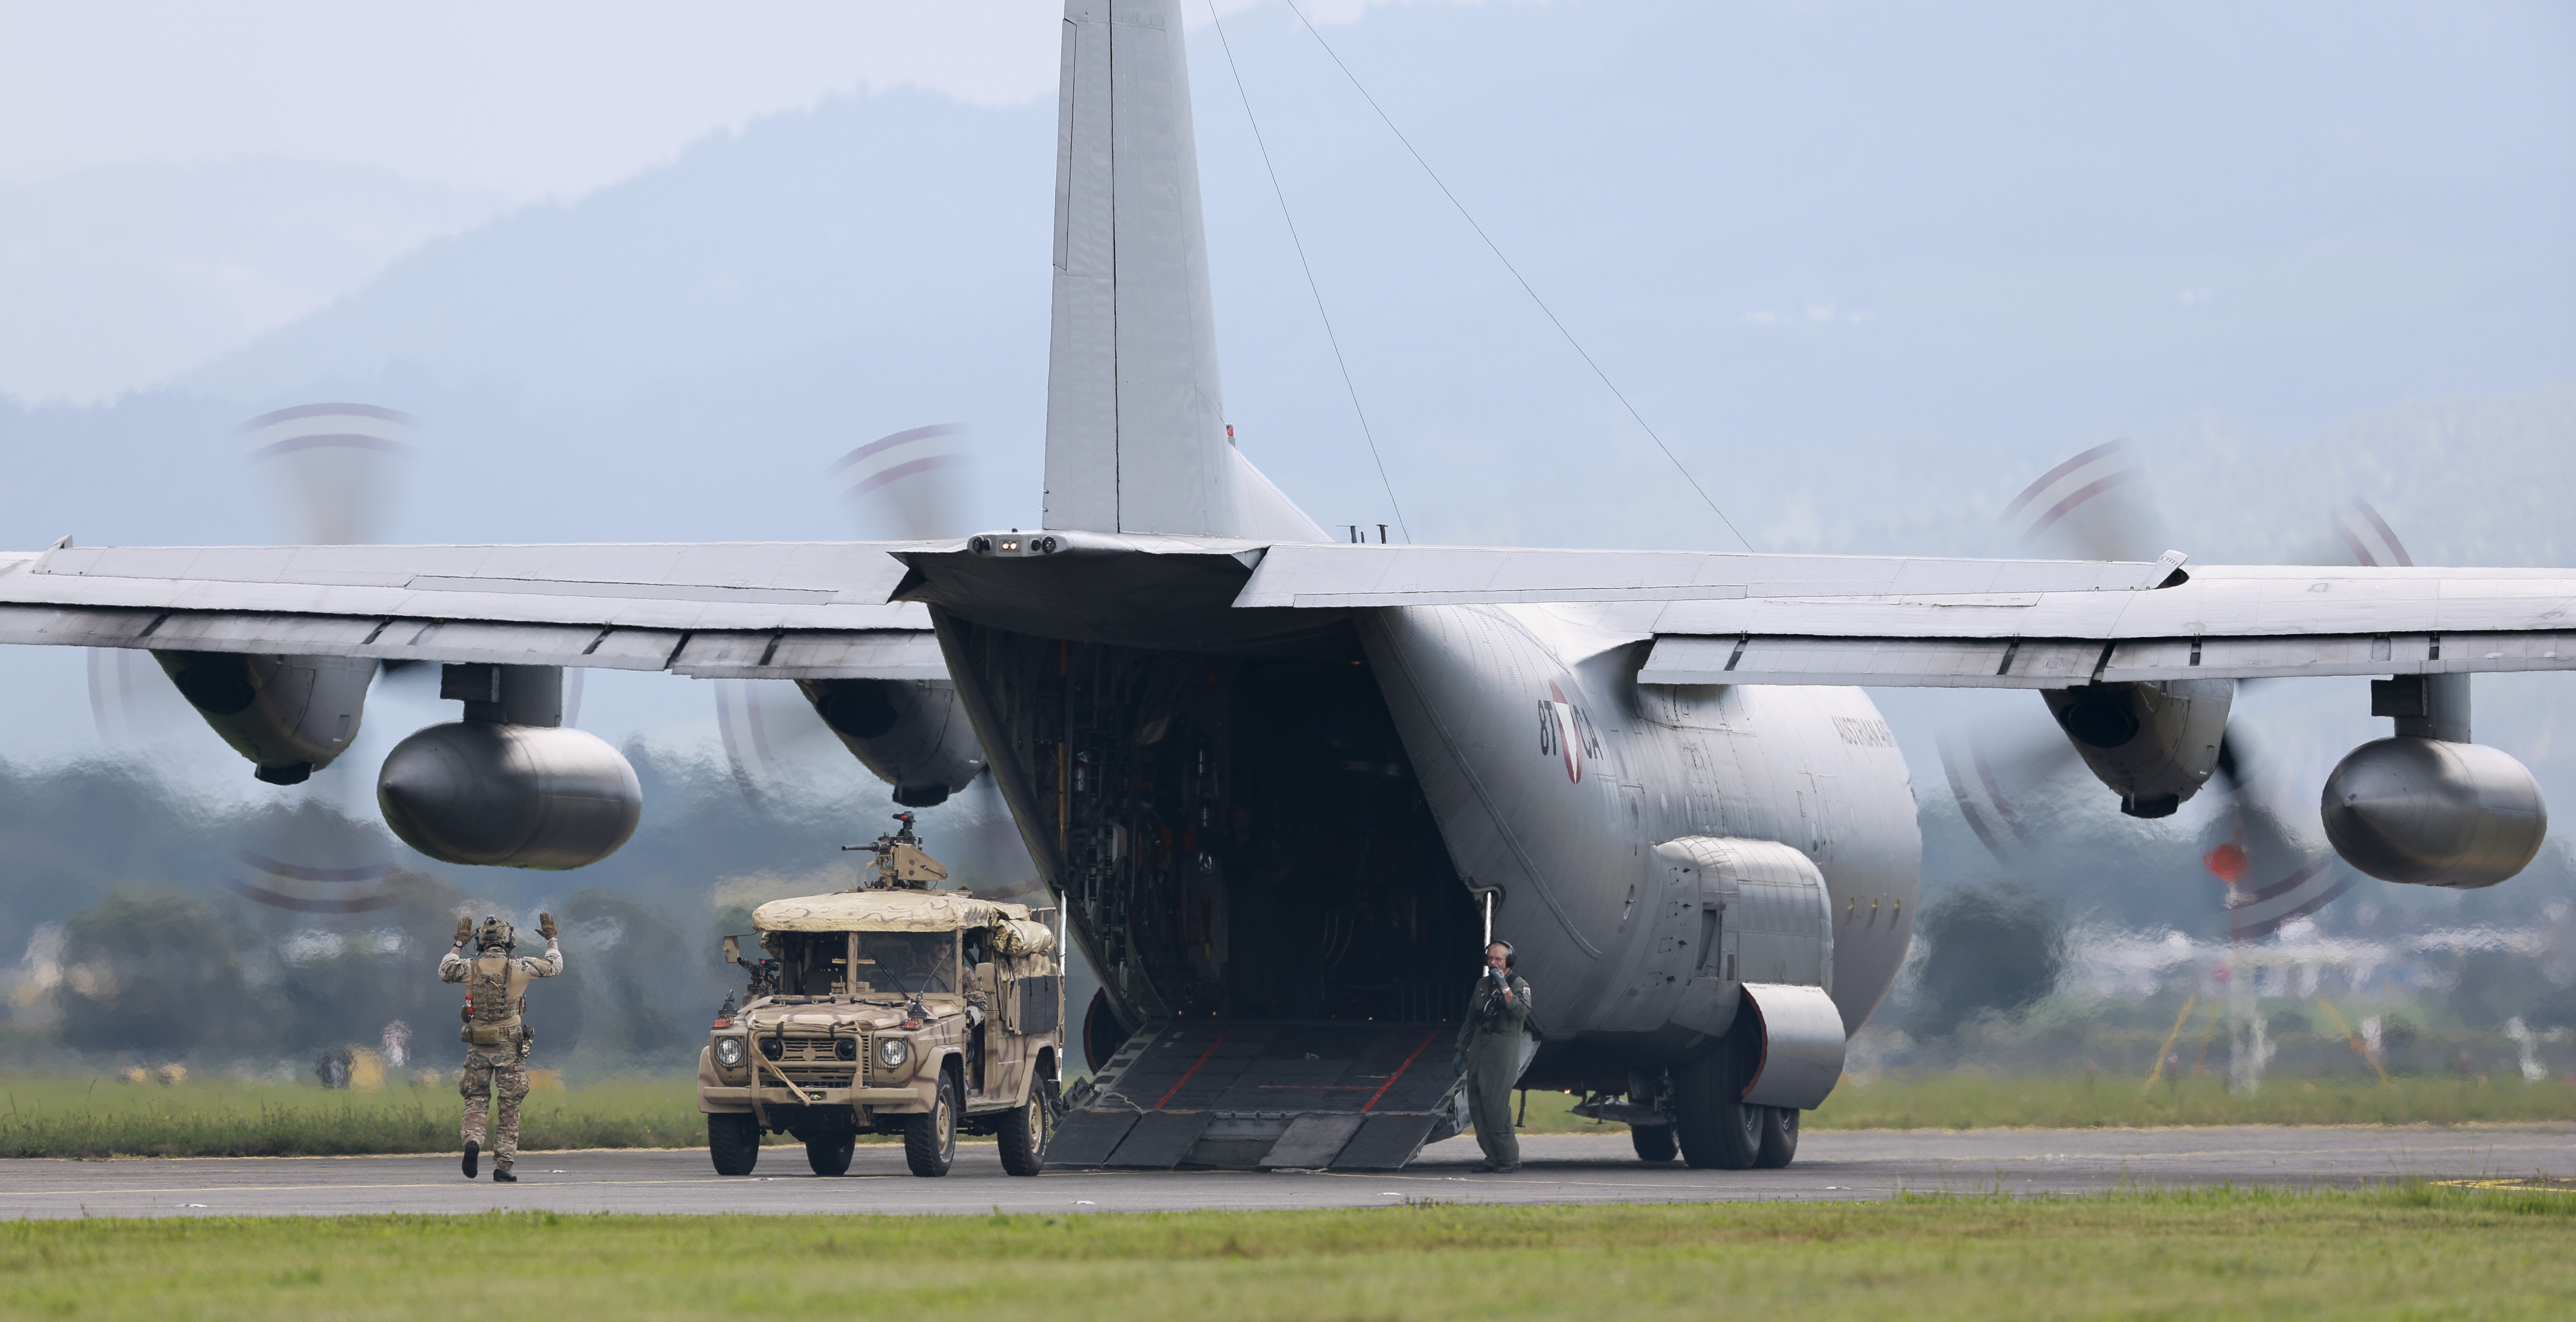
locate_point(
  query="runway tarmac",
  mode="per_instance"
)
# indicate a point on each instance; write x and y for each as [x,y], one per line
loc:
[1871,1164]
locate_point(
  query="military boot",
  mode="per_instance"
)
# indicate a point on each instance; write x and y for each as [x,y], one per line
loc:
[473,1159]
[502,1175]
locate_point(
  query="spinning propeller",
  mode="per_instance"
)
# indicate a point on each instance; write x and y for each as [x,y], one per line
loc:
[334,472]
[2097,506]
[914,485]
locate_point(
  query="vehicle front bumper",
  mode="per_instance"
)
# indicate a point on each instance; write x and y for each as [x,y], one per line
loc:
[907,1099]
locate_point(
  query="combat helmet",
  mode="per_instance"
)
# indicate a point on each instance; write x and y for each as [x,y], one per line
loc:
[496,933]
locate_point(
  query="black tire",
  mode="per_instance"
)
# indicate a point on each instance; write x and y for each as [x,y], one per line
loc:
[1779,1137]
[1024,1133]
[1102,1034]
[1654,1142]
[930,1139]
[831,1156]
[733,1140]
[1716,1128]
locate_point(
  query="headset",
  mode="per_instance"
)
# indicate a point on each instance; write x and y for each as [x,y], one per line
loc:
[1511,957]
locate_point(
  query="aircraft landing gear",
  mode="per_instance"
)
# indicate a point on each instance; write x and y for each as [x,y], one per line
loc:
[1779,1137]
[1717,1127]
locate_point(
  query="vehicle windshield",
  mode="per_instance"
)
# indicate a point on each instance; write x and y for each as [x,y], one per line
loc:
[909,963]
[811,963]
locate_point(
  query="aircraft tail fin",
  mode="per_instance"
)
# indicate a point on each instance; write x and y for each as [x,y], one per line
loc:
[1136,437]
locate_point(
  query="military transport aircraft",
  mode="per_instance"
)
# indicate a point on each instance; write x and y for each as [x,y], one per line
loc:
[1283,784]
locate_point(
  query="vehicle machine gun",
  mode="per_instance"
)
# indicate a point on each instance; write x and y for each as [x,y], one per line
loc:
[901,862]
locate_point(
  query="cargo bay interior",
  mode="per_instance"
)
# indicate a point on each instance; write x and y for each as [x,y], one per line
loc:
[1239,836]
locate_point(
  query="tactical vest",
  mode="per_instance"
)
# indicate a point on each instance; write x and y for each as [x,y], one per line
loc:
[498,989]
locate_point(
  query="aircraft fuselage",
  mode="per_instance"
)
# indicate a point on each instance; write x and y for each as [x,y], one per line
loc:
[1306,815]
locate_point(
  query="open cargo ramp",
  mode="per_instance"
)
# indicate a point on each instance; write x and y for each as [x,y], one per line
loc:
[1260,1094]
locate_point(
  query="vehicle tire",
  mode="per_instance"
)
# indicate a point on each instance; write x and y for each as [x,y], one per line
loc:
[733,1139]
[831,1156]
[1102,1034]
[1024,1132]
[1779,1137]
[1653,1142]
[930,1139]
[1717,1129]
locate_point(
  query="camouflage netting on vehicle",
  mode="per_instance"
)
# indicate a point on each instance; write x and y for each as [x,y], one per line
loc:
[886,911]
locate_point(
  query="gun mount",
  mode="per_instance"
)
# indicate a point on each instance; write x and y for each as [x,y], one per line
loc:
[902,863]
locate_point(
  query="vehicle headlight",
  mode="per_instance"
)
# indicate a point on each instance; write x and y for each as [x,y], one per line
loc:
[729,1052]
[846,1049]
[892,1052]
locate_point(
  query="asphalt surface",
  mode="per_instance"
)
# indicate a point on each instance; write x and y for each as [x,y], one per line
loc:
[1585,1169]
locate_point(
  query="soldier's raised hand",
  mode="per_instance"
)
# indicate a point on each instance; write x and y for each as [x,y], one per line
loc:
[546,926]
[464,929]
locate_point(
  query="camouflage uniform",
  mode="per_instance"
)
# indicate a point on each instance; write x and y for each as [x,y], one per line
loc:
[498,1075]
[1490,1045]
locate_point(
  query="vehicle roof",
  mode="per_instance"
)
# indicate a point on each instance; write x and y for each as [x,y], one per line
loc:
[884,911]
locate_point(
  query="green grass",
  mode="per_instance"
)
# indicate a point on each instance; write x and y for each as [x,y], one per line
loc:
[63,1117]
[1956,1101]
[58,1117]
[2411,1252]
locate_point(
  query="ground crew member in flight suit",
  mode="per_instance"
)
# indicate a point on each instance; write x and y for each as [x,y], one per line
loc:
[1489,1047]
[496,1037]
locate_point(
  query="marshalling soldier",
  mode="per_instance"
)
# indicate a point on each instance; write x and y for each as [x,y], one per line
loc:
[496,1035]
[1489,1050]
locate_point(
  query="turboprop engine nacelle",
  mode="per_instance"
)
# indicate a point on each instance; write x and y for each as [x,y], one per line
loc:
[2429,812]
[912,733]
[508,786]
[2153,743]
[290,715]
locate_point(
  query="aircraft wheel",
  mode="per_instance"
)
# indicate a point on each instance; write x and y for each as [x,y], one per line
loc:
[1653,1142]
[831,1156]
[1716,1128]
[930,1139]
[733,1140]
[1779,1137]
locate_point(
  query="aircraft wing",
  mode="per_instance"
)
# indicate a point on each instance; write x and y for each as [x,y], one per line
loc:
[791,610]
[1354,574]
[777,610]
[1857,620]
[2228,622]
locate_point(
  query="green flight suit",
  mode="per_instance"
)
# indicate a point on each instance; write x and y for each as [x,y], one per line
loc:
[1490,1043]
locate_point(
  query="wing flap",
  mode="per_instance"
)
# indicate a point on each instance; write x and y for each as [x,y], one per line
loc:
[2062,663]
[74,626]
[861,654]
[771,654]
[189,631]
[583,645]
[2002,663]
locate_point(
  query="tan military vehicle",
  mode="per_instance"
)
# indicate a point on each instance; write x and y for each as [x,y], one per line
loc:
[892,1009]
